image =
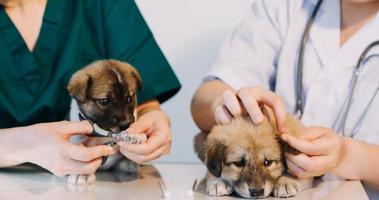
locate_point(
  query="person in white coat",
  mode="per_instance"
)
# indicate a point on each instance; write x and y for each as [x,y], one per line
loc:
[259,64]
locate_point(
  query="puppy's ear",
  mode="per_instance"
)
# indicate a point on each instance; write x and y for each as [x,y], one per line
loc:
[128,72]
[295,128]
[138,79]
[79,85]
[287,148]
[269,114]
[214,158]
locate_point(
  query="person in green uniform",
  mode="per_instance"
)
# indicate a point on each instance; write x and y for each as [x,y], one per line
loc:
[42,43]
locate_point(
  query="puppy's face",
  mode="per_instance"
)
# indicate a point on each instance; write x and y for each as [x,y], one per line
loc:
[106,93]
[247,156]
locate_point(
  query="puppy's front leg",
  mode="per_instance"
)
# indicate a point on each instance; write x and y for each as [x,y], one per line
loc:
[288,186]
[80,179]
[126,165]
[135,138]
[217,187]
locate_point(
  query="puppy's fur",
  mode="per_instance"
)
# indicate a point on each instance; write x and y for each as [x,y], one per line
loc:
[248,159]
[105,92]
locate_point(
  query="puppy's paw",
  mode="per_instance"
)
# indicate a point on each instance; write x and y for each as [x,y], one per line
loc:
[287,187]
[135,139]
[75,179]
[218,188]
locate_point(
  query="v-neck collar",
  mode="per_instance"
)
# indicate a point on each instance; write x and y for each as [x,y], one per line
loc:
[47,41]
[338,61]
[325,33]
[325,36]
[33,66]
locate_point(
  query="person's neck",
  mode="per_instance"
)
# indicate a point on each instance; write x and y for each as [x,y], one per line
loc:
[354,15]
[9,4]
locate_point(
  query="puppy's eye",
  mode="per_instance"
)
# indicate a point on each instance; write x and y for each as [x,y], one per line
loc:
[129,99]
[104,101]
[267,163]
[240,163]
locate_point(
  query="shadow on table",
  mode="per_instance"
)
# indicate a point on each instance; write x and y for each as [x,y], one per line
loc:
[119,176]
[33,182]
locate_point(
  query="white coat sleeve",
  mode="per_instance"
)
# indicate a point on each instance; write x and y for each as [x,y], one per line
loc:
[249,55]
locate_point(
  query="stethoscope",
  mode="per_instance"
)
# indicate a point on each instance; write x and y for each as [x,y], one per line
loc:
[358,69]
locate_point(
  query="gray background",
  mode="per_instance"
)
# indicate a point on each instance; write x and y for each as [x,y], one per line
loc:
[190,33]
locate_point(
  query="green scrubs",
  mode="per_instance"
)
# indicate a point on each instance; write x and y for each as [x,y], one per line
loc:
[75,33]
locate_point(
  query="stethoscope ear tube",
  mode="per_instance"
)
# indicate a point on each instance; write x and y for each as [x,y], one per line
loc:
[304,40]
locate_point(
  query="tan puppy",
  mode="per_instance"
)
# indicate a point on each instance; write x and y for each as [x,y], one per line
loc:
[248,159]
[105,92]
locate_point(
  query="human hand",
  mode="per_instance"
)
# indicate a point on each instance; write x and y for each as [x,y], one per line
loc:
[48,145]
[321,151]
[156,125]
[249,99]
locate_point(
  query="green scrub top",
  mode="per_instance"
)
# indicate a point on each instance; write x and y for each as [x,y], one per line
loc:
[75,33]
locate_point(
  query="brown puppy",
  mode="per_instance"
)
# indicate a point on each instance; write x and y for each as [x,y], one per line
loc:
[248,159]
[105,92]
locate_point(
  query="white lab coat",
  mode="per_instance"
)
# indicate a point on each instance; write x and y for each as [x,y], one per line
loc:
[263,50]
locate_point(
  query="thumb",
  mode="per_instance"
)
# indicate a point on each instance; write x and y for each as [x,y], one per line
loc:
[142,125]
[75,128]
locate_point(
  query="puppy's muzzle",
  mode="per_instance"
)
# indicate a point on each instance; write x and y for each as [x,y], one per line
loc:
[124,125]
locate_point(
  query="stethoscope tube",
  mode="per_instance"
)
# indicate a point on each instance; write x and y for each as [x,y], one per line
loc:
[304,40]
[358,70]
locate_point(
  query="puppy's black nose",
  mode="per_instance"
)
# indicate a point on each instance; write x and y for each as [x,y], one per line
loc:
[124,125]
[256,192]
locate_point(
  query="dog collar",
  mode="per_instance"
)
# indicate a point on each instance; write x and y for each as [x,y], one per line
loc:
[99,132]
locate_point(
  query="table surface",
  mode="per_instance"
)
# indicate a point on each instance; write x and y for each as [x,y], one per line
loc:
[19,183]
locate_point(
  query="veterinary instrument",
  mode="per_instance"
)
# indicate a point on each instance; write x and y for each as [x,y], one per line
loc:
[99,132]
[358,69]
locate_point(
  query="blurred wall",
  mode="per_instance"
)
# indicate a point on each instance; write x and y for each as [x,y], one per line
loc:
[190,33]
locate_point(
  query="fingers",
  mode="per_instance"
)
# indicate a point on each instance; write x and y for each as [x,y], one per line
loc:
[231,103]
[251,105]
[138,158]
[222,115]
[294,169]
[158,143]
[310,147]
[304,166]
[142,125]
[153,143]
[86,154]
[312,133]
[76,167]
[250,98]
[74,128]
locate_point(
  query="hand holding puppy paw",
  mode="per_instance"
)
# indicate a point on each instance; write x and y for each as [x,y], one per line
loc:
[321,151]
[156,126]
[48,146]
[248,100]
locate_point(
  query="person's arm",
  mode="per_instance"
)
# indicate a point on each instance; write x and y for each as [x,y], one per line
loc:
[205,101]
[359,161]
[11,150]
[48,145]
[324,151]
